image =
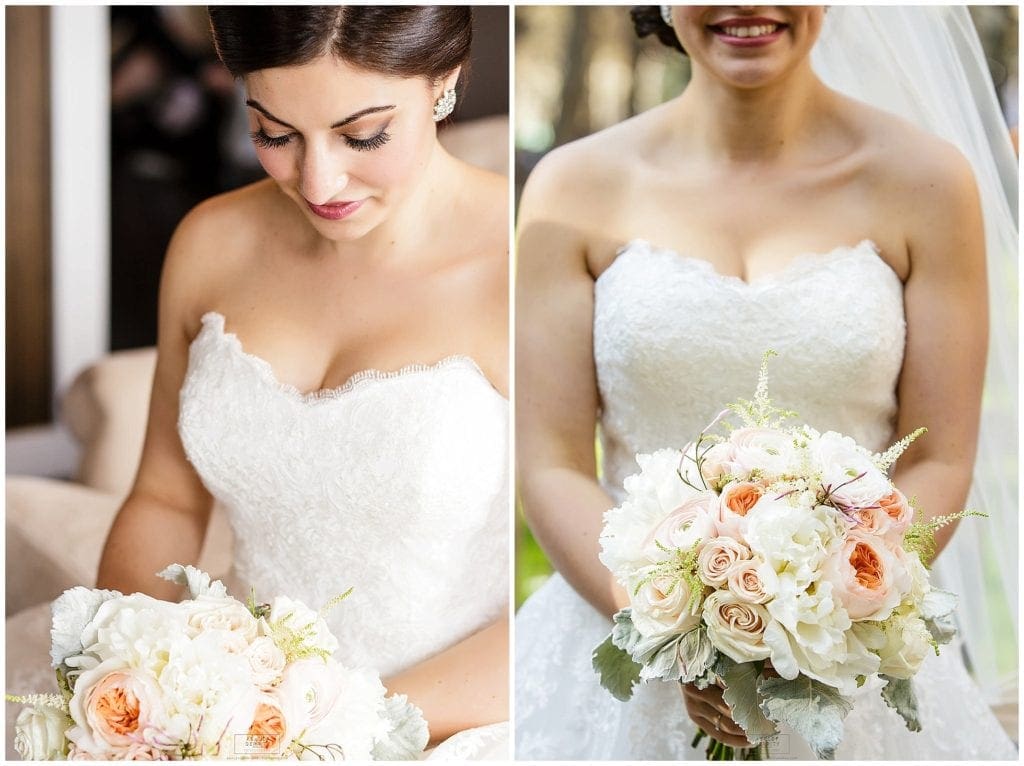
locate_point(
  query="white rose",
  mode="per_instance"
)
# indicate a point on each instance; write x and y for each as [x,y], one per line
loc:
[848,474]
[716,462]
[736,627]
[39,733]
[651,496]
[660,606]
[206,613]
[718,558]
[766,453]
[300,619]
[266,660]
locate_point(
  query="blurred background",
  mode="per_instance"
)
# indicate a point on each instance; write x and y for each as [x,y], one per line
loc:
[581,68]
[118,121]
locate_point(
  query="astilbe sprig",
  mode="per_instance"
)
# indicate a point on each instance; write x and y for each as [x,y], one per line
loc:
[760,412]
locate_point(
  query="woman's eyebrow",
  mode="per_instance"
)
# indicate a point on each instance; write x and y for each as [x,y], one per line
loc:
[351,118]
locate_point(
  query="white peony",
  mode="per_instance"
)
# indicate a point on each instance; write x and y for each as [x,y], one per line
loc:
[906,642]
[810,634]
[137,630]
[651,496]
[209,691]
[793,540]
[39,733]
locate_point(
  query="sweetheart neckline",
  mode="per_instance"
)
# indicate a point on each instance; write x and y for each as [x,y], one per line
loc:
[217,321]
[866,246]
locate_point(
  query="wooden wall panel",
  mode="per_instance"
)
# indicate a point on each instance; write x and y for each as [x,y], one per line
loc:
[28,270]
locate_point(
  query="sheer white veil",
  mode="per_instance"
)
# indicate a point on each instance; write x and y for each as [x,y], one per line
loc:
[925,63]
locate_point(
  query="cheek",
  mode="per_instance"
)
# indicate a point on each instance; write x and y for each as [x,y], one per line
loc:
[279,163]
[397,164]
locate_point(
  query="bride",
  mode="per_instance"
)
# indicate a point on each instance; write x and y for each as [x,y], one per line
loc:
[332,362]
[775,213]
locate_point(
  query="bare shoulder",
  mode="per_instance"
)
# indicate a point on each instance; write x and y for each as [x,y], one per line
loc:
[925,174]
[214,243]
[581,180]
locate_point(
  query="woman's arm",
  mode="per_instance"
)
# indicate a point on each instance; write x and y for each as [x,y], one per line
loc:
[464,686]
[556,390]
[164,518]
[945,300]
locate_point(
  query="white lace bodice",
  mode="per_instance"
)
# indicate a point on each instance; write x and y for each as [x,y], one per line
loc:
[675,341]
[394,484]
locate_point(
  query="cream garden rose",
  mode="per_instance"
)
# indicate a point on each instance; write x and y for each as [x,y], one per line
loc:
[736,627]
[718,557]
[39,733]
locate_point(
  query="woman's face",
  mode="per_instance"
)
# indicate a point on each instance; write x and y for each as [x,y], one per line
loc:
[747,46]
[347,145]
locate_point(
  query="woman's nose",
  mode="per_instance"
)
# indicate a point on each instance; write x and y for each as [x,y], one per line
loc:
[322,175]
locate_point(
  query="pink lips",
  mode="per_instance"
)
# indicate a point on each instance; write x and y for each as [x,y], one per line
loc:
[718,30]
[335,211]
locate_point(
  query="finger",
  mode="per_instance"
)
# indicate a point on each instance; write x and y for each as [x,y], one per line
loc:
[708,726]
[721,722]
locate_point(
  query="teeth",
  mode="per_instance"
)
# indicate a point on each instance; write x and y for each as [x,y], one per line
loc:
[761,31]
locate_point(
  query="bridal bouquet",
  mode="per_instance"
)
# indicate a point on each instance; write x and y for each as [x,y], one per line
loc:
[773,544]
[206,678]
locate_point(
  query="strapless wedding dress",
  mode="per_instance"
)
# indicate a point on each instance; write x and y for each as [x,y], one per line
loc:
[394,485]
[674,341]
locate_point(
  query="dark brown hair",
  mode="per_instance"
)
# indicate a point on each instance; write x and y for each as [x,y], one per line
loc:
[647,21]
[400,40]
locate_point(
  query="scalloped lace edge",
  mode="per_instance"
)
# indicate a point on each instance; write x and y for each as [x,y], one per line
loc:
[216,321]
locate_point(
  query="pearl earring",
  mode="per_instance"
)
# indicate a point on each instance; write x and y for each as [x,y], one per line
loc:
[666,14]
[445,105]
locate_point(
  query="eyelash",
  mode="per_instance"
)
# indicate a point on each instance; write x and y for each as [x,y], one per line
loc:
[261,139]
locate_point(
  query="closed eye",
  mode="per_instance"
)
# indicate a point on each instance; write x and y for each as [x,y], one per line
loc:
[368,144]
[269,142]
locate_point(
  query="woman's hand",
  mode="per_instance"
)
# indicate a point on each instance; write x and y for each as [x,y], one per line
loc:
[709,710]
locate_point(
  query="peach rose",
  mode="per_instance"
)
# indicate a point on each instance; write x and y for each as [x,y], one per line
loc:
[868,579]
[268,727]
[753,581]
[737,500]
[114,709]
[890,516]
[718,558]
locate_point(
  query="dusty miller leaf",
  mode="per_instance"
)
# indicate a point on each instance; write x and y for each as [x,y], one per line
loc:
[741,694]
[619,673]
[898,694]
[812,709]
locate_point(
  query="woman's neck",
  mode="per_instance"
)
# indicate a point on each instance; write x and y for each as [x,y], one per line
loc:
[752,124]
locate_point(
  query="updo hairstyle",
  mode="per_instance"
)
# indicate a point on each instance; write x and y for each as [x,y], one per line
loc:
[647,21]
[399,40]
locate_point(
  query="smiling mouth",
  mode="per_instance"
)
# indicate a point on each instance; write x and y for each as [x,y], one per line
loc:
[747,31]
